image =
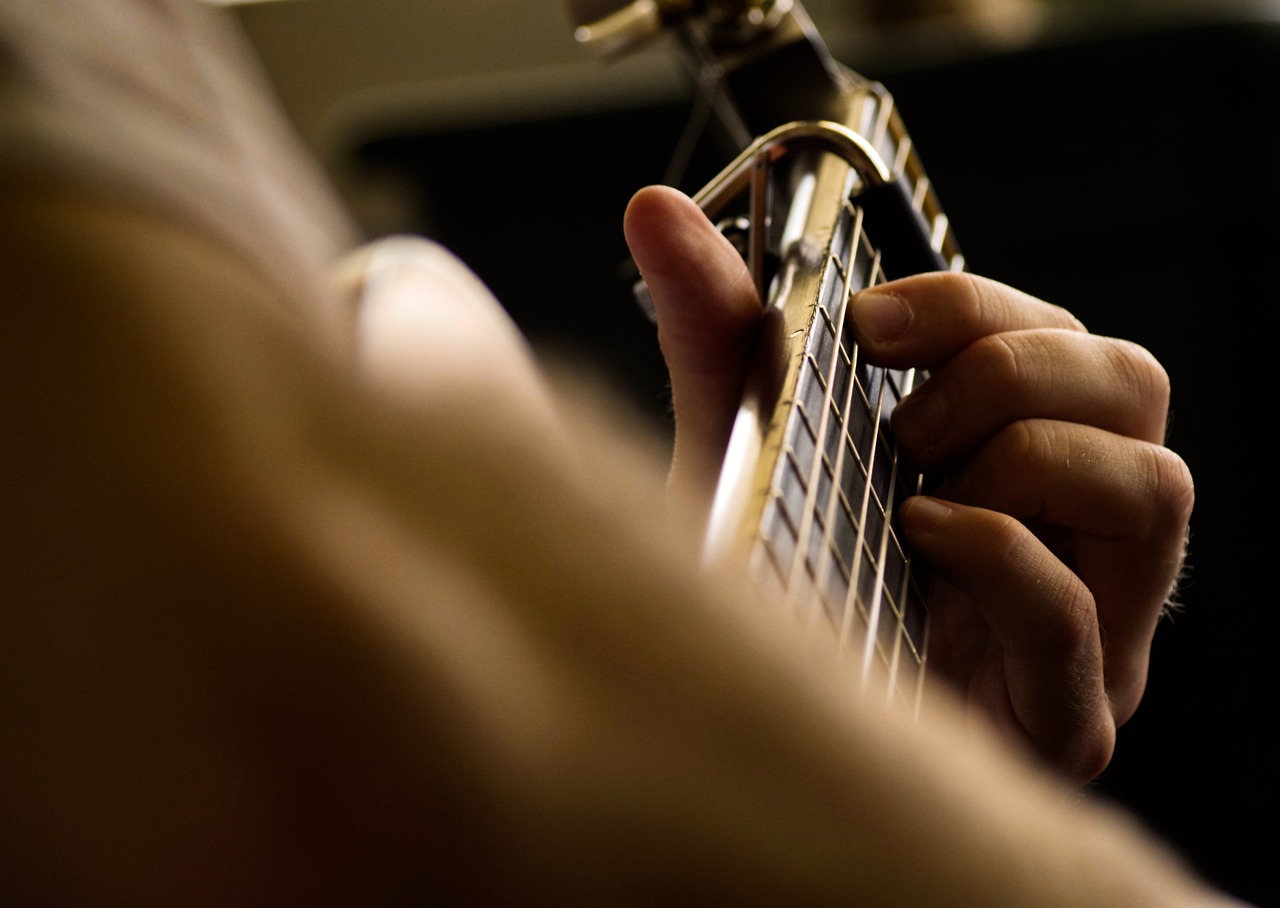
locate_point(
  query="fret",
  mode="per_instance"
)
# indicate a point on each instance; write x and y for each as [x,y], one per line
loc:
[867,115]
[844,272]
[810,477]
[883,136]
[825,539]
[819,369]
[884,616]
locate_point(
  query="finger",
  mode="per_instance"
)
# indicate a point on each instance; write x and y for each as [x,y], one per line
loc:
[708,312]
[1049,373]
[1124,504]
[925,320]
[1048,656]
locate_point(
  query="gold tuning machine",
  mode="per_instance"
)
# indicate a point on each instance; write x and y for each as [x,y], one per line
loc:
[623,29]
[640,20]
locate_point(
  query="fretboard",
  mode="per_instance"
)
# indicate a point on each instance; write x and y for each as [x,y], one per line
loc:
[826,539]
[811,477]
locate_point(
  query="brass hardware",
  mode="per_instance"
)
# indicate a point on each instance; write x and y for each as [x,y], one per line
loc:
[750,170]
[640,20]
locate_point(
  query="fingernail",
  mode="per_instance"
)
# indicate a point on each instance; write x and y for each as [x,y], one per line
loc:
[881,317]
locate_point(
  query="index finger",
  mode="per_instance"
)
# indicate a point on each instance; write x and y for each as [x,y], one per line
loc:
[924,320]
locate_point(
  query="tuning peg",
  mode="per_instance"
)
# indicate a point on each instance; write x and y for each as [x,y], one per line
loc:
[628,24]
[621,30]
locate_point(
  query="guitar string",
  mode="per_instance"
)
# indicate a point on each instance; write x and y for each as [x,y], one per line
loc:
[836,492]
[799,559]
[902,156]
[872,608]
[708,98]
[856,604]
[888,504]
[888,548]
[898,152]
[835,323]
[845,443]
[908,581]
[905,596]
[908,595]
[799,564]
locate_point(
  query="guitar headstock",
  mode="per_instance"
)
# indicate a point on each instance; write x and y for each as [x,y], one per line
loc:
[765,56]
[610,27]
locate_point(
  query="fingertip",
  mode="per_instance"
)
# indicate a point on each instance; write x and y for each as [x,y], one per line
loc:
[699,283]
[652,210]
[658,194]
[921,514]
[881,317]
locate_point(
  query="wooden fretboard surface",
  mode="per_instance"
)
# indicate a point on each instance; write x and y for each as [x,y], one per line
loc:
[825,538]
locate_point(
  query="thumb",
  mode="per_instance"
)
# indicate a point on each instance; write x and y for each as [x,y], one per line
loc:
[708,311]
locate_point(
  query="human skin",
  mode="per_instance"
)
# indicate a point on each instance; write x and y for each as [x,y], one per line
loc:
[1058,535]
[280,633]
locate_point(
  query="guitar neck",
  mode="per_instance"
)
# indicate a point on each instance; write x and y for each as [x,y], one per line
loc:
[812,475]
[832,198]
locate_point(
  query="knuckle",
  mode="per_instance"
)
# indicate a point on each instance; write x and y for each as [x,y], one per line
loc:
[1069,620]
[1066,621]
[1081,739]
[961,292]
[1023,444]
[970,294]
[1170,487]
[1093,750]
[1006,535]
[996,359]
[1125,691]
[1140,371]
[989,302]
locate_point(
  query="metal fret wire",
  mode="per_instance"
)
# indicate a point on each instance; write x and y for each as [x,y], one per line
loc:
[881,137]
[809,465]
[836,494]
[803,440]
[884,140]
[872,609]
[799,566]
[881,556]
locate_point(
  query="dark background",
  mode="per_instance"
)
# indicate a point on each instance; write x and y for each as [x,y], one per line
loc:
[1132,177]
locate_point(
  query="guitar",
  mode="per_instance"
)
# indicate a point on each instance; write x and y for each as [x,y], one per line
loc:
[827,196]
